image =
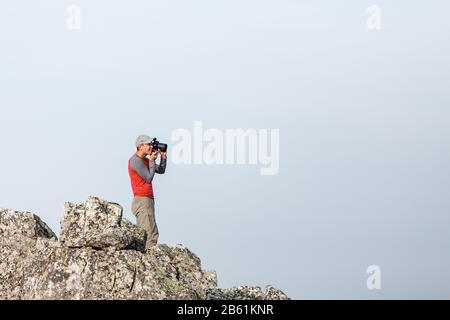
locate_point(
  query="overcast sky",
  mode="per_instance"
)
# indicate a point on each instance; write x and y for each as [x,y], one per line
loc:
[363,118]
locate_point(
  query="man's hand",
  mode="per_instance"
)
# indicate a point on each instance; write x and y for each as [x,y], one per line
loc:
[154,155]
[163,155]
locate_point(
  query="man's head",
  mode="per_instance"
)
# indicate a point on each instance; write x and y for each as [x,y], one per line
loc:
[144,144]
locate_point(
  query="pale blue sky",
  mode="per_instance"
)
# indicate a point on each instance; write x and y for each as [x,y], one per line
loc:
[363,115]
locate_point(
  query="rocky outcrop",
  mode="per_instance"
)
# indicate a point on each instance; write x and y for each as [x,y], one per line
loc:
[101,256]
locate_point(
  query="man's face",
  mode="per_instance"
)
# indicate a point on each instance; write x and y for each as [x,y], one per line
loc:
[147,148]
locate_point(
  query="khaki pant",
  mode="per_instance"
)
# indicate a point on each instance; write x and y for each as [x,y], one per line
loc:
[144,210]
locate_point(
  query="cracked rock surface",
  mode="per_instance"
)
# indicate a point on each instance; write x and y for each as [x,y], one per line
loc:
[101,256]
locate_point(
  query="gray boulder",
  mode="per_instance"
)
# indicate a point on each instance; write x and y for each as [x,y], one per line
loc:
[22,227]
[98,224]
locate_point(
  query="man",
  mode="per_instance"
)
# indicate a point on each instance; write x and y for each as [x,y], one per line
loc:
[142,170]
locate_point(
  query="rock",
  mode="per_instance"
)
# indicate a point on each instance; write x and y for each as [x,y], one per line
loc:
[100,256]
[22,227]
[99,224]
[246,293]
[50,271]
[187,267]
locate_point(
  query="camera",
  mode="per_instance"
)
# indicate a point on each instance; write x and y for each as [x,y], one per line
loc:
[158,145]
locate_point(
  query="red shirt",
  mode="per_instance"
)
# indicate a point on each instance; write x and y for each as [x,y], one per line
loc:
[141,188]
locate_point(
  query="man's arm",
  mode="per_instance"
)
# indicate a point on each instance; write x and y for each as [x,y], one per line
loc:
[139,166]
[161,167]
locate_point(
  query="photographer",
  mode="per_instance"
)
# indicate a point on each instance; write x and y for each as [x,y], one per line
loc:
[142,170]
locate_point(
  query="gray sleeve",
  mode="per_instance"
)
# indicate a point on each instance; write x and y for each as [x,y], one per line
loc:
[161,167]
